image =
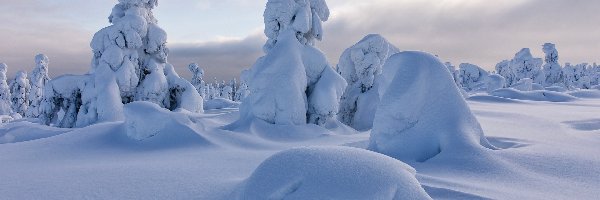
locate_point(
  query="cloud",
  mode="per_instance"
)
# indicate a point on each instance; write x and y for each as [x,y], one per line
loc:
[224,58]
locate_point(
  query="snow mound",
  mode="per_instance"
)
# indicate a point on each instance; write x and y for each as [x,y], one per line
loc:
[539,95]
[220,103]
[331,173]
[26,131]
[586,94]
[494,82]
[425,113]
[149,123]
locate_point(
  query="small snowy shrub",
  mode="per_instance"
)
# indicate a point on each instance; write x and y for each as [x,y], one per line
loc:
[471,77]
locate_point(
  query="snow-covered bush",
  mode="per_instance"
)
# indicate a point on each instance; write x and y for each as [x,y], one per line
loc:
[471,77]
[293,84]
[360,65]
[198,78]
[552,70]
[524,65]
[494,82]
[424,113]
[19,89]
[331,173]
[38,79]
[62,101]
[5,101]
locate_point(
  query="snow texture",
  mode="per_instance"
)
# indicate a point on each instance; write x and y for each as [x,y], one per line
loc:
[38,79]
[360,65]
[424,94]
[332,173]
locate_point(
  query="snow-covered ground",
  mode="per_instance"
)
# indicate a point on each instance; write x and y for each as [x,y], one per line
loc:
[549,150]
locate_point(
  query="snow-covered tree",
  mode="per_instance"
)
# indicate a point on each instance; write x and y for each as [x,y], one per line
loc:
[524,65]
[130,63]
[38,79]
[19,89]
[198,78]
[62,95]
[503,69]
[471,77]
[243,90]
[360,65]
[552,70]
[293,84]
[5,101]
[423,114]
[569,75]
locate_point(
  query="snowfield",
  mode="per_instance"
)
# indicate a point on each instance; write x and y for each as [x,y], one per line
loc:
[549,150]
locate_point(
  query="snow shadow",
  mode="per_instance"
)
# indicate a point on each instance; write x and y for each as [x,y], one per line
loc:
[507,143]
[585,125]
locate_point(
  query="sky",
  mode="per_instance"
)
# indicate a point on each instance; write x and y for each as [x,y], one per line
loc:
[226,36]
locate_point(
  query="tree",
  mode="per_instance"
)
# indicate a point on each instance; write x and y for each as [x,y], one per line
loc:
[19,88]
[552,69]
[130,64]
[360,65]
[471,77]
[524,65]
[38,79]
[5,97]
[293,83]
[198,78]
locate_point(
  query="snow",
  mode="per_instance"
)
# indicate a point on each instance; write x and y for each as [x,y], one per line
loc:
[552,96]
[5,95]
[494,82]
[425,94]
[38,79]
[360,65]
[347,173]
[19,90]
[220,103]
[471,77]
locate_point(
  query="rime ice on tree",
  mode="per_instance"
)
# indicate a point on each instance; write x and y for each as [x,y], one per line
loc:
[5,97]
[19,88]
[552,69]
[130,63]
[293,84]
[38,79]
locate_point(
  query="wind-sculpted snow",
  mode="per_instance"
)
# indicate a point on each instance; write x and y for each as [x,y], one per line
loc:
[331,173]
[360,65]
[424,114]
[550,96]
[494,82]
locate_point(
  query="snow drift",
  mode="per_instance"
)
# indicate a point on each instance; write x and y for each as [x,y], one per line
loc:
[424,114]
[331,173]
[538,95]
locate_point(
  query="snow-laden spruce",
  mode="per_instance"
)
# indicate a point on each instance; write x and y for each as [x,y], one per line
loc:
[471,77]
[63,98]
[331,173]
[129,64]
[424,114]
[503,69]
[524,65]
[198,79]
[360,65]
[243,89]
[293,83]
[5,105]
[19,89]
[552,69]
[38,79]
